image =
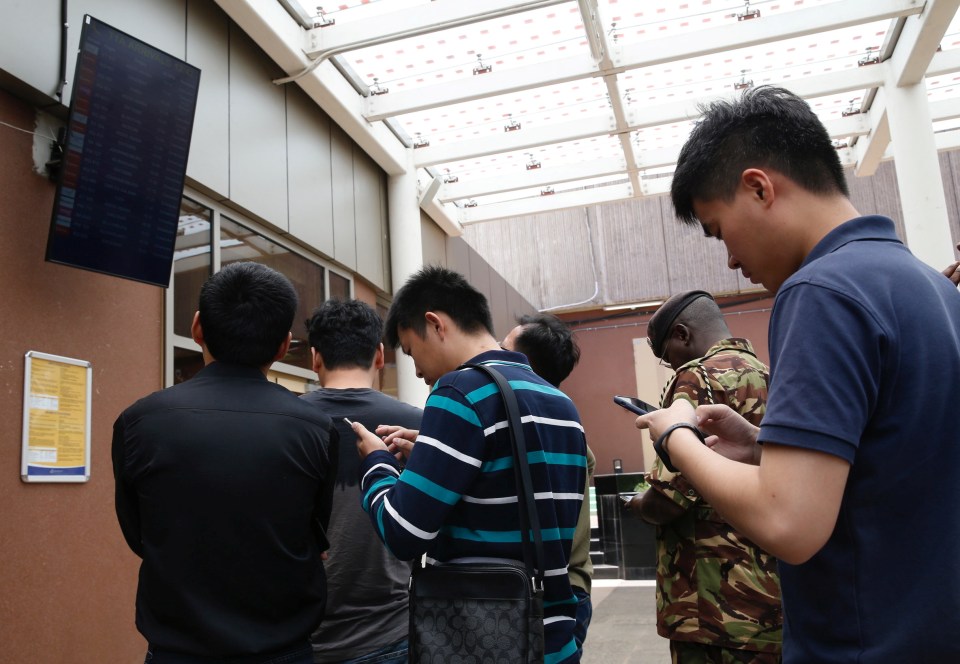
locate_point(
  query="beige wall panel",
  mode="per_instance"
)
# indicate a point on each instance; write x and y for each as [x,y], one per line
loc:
[309,172]
[516,304]
[632,242]
[30,46]
[344,234]
[30,36]
[386,264]
[458,255]
[258,133]
[369,229]
[503,322]
[950,170]
[208,47]
[479,274]
[434,242]
[562,256]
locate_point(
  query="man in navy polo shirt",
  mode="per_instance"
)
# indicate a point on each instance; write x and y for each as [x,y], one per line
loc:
[858,487]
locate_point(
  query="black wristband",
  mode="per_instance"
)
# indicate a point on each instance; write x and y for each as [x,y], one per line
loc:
[661,451]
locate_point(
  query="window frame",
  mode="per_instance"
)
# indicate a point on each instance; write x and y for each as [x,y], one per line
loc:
[217,211]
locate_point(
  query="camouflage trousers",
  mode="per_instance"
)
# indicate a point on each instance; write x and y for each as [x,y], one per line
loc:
[683,652]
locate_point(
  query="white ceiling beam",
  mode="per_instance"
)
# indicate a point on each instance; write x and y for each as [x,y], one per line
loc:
[868,151]
[278,34]
[944,62]
[651,52]
[945,141]
[919,40]
[530,179]
[945,109]
[539,204]
[410,22]
[852,125]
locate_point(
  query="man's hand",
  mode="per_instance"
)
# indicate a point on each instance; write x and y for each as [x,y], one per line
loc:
[398,440]
[367,441]
[952,271]
[732,436]
[660,420]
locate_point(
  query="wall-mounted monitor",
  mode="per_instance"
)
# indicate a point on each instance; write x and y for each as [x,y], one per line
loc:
[125,157]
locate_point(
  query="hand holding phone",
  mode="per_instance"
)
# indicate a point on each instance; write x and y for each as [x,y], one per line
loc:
[634,404]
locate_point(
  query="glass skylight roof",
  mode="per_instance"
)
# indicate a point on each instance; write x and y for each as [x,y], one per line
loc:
[553,37]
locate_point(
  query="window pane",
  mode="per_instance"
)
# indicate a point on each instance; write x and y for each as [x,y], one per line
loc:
[240,244]
[186,364]
[191,263]
[339,287]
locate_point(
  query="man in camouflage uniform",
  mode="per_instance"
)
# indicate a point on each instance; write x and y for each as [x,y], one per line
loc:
[718,595]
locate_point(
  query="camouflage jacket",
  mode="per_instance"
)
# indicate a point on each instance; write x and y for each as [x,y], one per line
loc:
[714,585]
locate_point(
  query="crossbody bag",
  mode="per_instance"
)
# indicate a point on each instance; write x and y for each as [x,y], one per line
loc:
[489,611]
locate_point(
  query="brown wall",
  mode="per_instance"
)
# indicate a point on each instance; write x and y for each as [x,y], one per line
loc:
[68,579]
[606,368]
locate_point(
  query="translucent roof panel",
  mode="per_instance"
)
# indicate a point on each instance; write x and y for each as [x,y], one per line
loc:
[630,21]
[548,156]
[772,63]
[525,53]
[535,107]
[532,37]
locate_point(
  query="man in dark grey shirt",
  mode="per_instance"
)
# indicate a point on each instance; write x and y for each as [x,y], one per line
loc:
[366,618]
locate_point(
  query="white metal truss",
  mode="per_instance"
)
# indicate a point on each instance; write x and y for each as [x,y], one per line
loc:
[305,54]
[655,51]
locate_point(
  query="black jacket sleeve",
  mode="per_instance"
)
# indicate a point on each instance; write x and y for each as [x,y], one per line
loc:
[127,503]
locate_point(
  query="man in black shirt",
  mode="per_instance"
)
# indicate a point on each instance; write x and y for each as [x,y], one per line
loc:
[223,488]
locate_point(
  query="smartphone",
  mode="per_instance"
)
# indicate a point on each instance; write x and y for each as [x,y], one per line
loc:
[634,404]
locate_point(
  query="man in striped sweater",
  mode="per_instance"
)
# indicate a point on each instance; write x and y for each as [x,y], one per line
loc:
[456,497]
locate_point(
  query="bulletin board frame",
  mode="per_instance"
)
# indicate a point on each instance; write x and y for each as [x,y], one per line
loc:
[57,405]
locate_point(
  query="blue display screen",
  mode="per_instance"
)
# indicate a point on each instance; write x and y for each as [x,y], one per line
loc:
[125,157]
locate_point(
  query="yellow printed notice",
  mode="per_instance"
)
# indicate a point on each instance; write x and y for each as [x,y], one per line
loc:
[57,401]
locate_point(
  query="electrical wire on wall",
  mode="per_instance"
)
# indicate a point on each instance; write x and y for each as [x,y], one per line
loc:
[593,265]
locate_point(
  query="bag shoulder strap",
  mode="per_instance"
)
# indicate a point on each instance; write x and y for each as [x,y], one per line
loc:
[529,517]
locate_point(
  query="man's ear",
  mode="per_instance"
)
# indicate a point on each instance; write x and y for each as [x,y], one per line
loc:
[682,332]
[435,322]
[284,347]
[195,330]
[759,184]
[316,360]
[378,360]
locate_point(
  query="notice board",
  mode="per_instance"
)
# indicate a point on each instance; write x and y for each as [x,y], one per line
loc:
[57,398]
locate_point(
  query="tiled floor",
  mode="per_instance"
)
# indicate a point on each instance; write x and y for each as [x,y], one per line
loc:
[624,625]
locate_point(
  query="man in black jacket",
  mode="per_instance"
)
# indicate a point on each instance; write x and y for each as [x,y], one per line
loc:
[223,488]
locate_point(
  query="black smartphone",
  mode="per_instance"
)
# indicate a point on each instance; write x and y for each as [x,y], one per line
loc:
[634,404]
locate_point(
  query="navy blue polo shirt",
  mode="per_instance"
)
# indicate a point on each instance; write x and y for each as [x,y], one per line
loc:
[865,365]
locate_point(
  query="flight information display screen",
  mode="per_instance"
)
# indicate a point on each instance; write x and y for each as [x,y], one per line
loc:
[125,157]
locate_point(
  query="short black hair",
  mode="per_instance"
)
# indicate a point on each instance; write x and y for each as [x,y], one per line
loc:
[246,312]
[549,345]
[767,127]
[346,333]
[436,288]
